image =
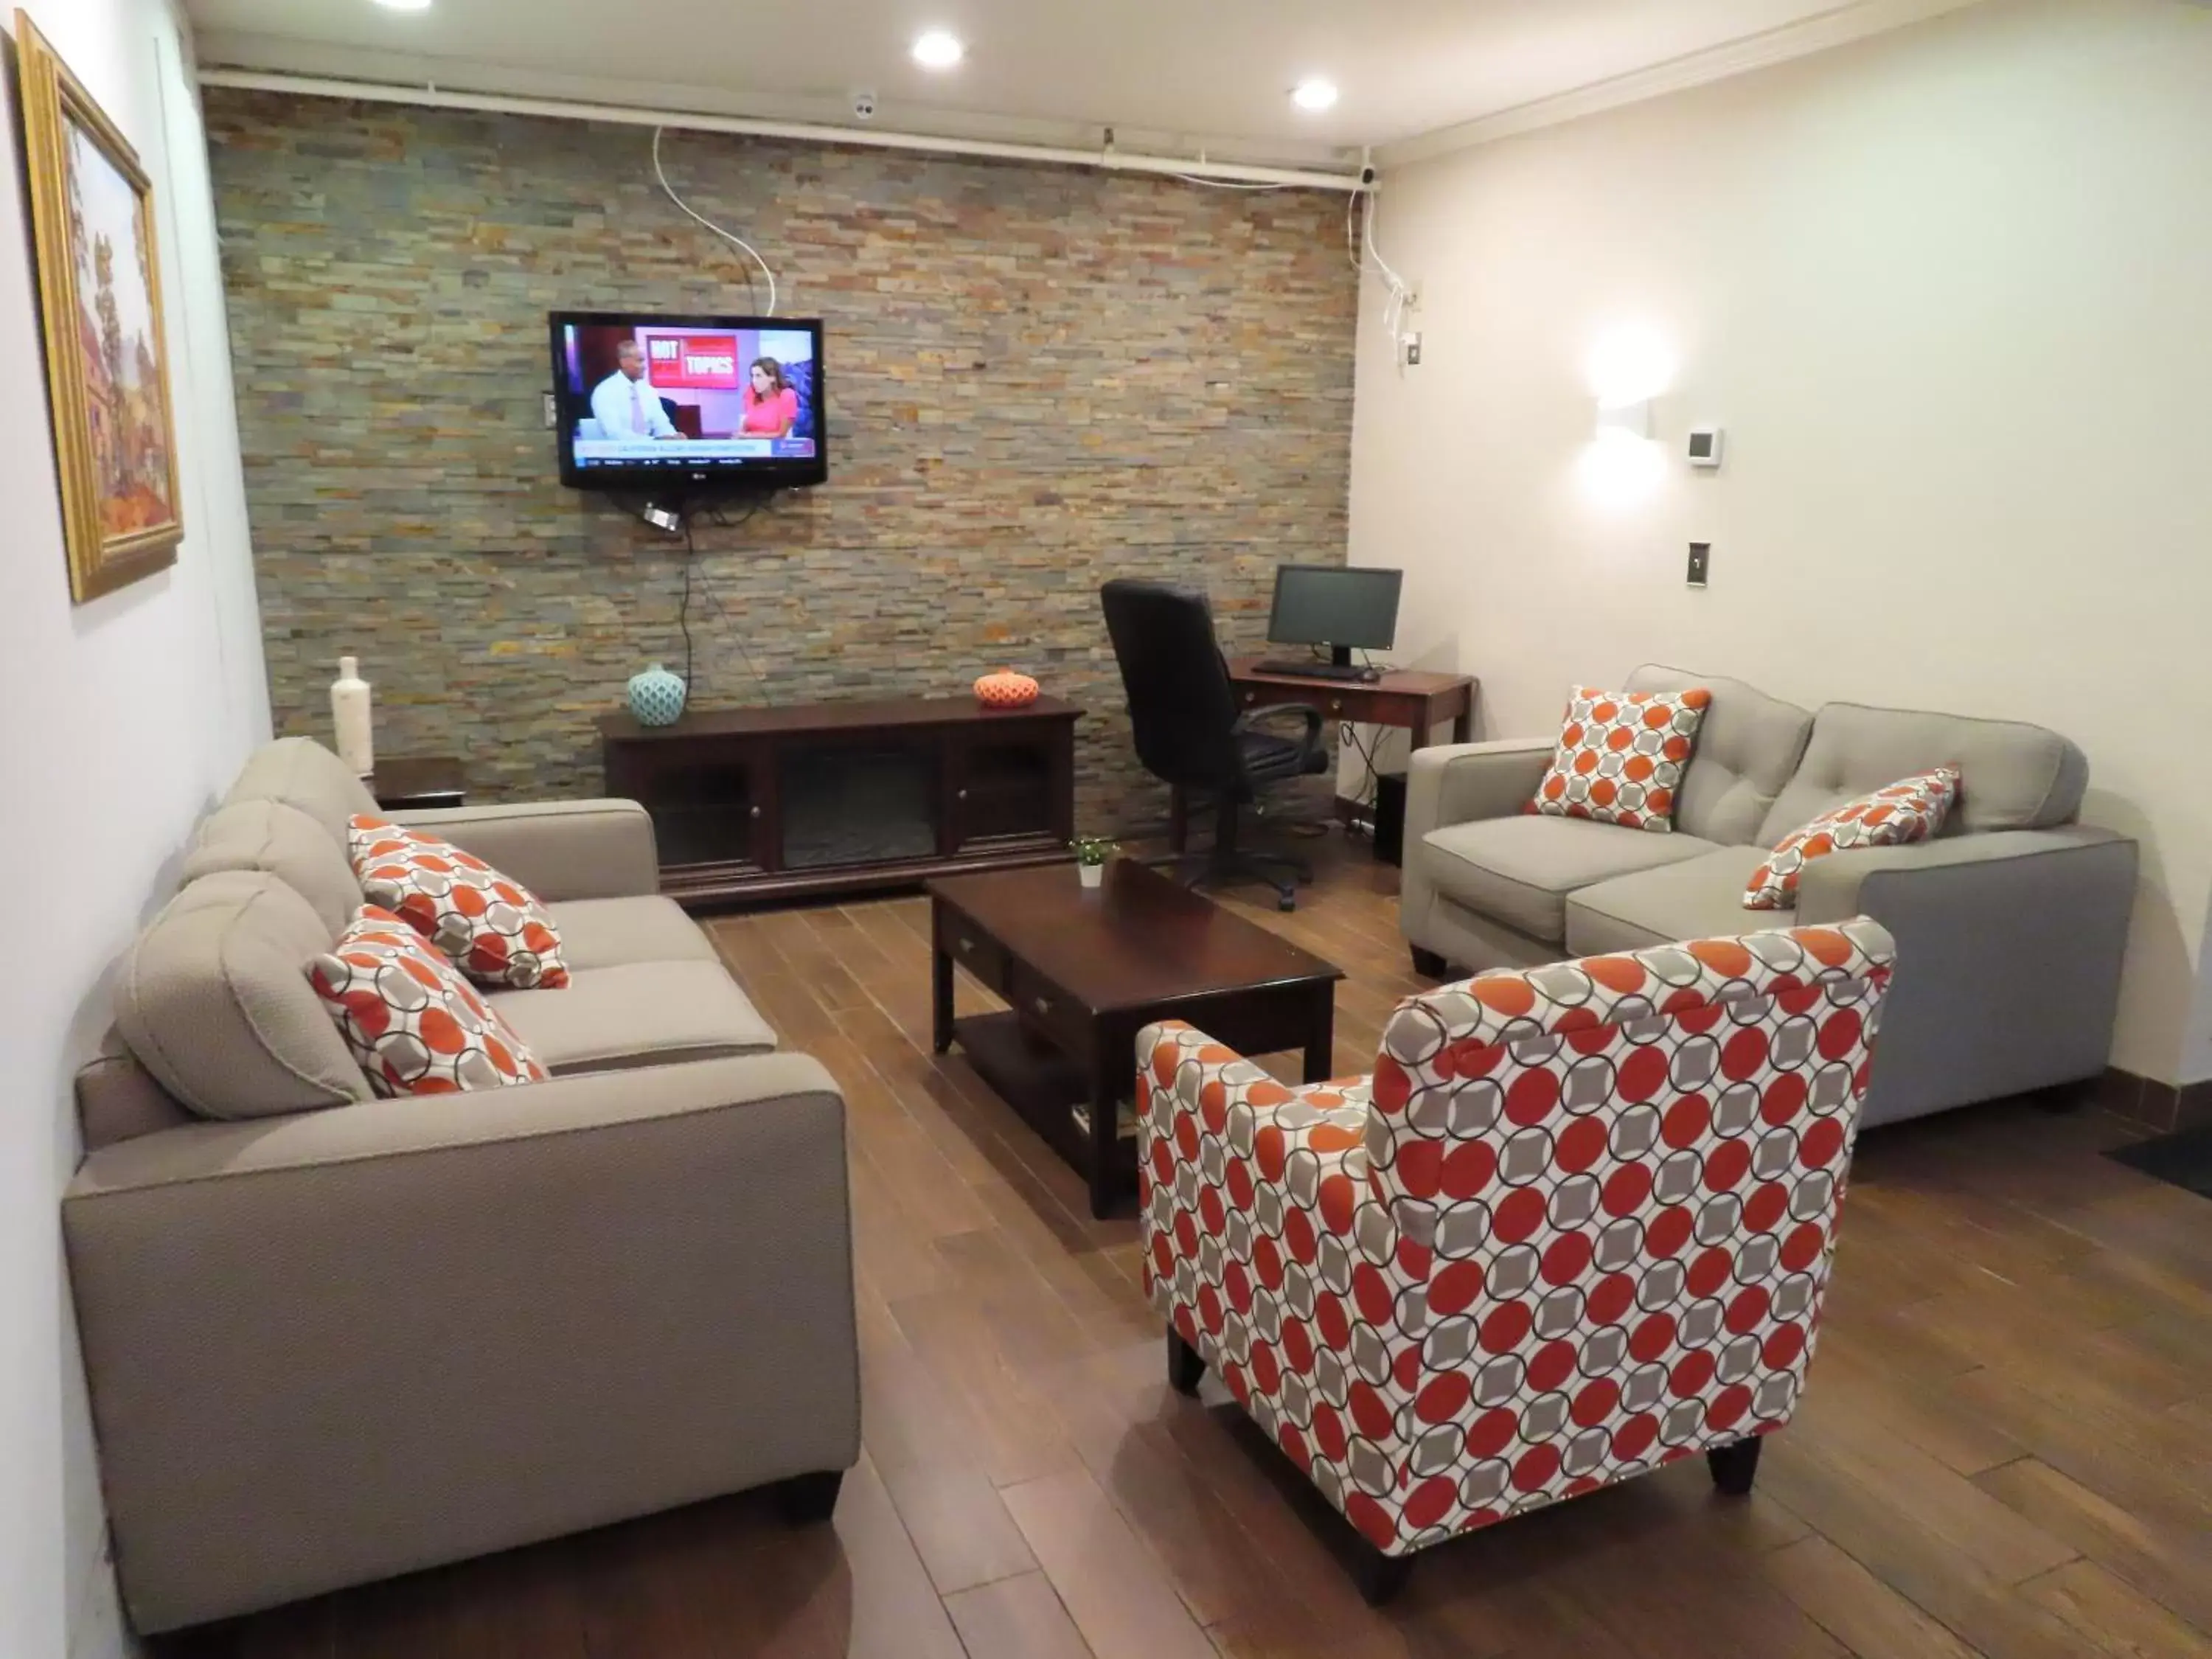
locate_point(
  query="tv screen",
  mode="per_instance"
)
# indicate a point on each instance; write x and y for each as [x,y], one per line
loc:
[659,403]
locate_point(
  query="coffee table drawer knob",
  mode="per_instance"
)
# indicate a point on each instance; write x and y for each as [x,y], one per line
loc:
[968,946]
[1043,1004]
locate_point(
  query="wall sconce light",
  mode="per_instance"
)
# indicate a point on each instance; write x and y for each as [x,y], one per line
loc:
[1628,368]
[1628,420]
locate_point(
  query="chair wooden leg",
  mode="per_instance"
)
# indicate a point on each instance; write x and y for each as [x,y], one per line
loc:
[1733,1465]
[1185,1365]
[1380,1577]
[1429,964]
[808,1499]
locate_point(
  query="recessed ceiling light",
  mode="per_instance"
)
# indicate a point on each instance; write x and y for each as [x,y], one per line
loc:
[404,5]
[939,49]
[1314,92]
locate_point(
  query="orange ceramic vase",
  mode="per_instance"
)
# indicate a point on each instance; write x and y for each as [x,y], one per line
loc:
[1005,689]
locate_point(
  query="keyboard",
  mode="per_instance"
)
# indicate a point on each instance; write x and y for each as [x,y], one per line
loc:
[1317,671]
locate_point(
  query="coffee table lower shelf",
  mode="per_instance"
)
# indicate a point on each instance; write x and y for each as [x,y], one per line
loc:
[1043,1086]
[1084,970]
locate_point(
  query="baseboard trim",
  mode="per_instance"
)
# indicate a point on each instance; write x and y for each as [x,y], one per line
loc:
[2165,1107]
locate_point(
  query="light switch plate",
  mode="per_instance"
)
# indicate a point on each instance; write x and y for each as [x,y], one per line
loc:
[552,412]
[1701,558]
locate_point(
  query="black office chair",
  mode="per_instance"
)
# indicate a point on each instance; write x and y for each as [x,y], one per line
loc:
[1189,733]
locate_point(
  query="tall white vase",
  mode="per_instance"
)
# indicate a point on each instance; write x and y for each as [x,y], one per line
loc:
[349,717]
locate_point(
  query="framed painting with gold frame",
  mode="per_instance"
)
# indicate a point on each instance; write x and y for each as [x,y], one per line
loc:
[99,291]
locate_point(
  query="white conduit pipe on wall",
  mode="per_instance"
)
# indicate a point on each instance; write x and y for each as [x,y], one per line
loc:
[805,132]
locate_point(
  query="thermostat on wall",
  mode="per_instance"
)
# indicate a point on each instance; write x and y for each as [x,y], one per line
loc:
[1704,446]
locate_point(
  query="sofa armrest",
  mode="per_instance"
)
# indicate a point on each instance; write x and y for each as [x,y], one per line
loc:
[2009,945]
[353,1343]
[2029,863]
[559,849]
[1457,783]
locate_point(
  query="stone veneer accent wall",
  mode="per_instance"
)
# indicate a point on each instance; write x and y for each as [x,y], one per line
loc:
[1037,377]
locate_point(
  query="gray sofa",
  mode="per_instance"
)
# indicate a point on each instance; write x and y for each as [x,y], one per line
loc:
[330,1338]
[2009,925]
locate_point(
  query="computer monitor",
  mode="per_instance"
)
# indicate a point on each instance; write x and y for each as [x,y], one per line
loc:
[1330,605]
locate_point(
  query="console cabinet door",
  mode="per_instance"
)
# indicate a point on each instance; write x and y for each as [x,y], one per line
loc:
[712,805]
[1009,785]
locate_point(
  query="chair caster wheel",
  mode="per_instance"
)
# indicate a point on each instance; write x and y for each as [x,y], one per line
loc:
[1287,902]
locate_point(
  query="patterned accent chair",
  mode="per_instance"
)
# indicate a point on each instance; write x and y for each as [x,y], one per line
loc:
[1575,1225]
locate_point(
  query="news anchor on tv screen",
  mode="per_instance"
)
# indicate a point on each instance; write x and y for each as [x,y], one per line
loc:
[771,407]
[625,405]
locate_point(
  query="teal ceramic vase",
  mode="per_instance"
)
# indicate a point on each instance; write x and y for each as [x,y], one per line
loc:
[656,696]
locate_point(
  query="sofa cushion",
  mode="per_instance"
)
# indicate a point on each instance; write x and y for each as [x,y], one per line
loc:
[614,932]
[646,1014]
[1747,748]
[415,1024]
[269,835]
[1620,756]
[1698,898]
[2011,775]
[1520,870]
[488,924]
[213,998]
[302,774]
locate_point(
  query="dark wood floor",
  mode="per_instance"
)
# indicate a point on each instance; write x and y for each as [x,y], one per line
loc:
[2006,1446]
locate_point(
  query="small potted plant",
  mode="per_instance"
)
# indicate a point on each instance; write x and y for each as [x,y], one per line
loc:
[1091,852]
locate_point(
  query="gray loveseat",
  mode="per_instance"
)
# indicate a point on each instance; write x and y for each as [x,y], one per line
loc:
[2009,925]
[331,1338]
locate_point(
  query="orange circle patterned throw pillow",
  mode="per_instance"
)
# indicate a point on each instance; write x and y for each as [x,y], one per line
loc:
[415,1024]
[492,926]
[1912,809]
[1621,756]
[1005,689]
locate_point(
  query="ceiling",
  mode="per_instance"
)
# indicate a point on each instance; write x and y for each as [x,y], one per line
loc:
[1186,73]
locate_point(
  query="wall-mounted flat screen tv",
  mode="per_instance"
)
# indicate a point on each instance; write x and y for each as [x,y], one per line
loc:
[649,402]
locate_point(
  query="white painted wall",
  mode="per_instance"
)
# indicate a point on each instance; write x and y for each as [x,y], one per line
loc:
[119,721]
[1949,290]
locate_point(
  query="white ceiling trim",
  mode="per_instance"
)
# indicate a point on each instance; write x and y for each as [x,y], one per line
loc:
[1112,160]
[1846,23]
[230,49]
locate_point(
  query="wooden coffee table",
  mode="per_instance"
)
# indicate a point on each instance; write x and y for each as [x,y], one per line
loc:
[1084,970]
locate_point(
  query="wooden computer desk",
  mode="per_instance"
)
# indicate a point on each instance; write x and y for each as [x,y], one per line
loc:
[1416,703]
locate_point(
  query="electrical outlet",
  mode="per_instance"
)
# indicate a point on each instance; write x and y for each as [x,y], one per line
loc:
[552,412]
[1412,344]
[1701,559]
